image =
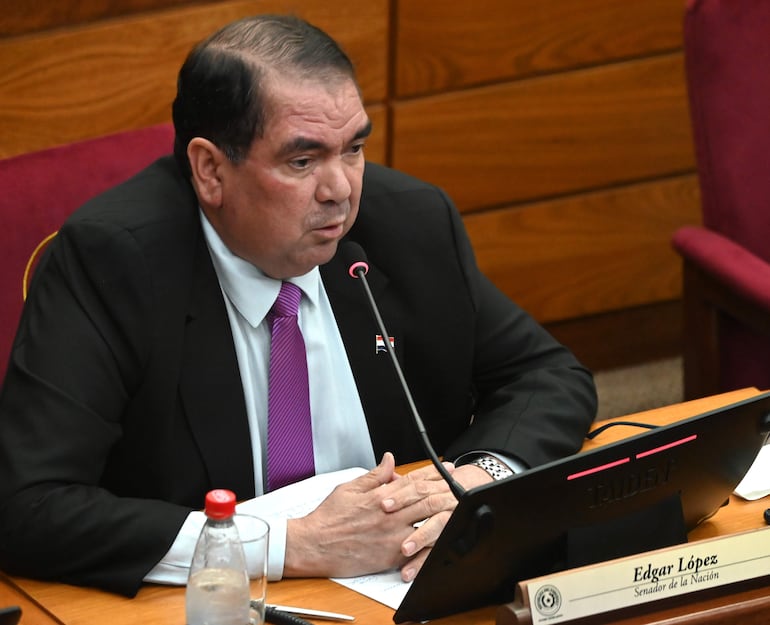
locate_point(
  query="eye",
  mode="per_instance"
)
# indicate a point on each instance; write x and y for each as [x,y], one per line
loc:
[301,163]
[355,150]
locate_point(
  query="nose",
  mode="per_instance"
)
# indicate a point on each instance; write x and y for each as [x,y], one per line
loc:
[334,183]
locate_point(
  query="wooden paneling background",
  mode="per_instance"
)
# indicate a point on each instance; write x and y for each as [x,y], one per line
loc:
[560,128]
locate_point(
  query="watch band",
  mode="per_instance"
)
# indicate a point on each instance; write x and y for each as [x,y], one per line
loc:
[496,469]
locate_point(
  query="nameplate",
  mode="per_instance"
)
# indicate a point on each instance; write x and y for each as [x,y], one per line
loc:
[644,578]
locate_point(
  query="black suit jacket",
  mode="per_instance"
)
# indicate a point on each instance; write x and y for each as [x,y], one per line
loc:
[123,404]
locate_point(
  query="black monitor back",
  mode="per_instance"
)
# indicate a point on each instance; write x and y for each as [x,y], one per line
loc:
[641,493]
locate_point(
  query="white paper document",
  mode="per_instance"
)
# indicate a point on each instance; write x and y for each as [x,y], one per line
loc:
[756,483]
[387,587]
[297,500]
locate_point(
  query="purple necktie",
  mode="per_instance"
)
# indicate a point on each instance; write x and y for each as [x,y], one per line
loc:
[289,431]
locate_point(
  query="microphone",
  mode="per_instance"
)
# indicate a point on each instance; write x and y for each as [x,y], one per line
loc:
[355,257]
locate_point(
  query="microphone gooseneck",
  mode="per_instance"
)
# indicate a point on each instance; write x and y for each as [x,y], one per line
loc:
[358,267]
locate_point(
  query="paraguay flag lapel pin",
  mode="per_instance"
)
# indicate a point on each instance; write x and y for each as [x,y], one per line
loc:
[379,344]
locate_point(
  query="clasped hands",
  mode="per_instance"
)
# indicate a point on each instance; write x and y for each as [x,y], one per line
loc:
[379,521]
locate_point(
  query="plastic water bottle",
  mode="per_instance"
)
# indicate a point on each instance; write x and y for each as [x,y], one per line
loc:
[218,585]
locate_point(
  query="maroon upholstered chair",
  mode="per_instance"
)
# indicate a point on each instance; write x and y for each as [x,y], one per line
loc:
[727,260]
[38,190]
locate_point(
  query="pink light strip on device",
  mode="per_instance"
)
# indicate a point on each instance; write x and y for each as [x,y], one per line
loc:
[681,441]
[602,467]
[641,454]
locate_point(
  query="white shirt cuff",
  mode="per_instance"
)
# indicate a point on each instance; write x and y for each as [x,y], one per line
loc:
[174,568]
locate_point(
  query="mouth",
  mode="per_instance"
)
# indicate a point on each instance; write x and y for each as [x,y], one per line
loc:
[332,231]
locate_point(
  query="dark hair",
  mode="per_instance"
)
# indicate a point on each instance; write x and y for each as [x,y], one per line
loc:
[220,92]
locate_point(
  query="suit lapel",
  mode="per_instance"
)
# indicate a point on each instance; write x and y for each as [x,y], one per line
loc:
[372,370]
[351,309]
[210,385]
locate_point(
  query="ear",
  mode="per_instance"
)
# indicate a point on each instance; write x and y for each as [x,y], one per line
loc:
[205,161]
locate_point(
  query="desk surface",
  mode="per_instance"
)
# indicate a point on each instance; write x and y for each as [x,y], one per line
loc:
[45,603]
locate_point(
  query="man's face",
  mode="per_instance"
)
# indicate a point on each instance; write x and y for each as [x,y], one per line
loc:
[285,207]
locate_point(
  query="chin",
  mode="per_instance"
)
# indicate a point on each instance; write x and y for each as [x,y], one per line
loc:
[319,256]
[326,252]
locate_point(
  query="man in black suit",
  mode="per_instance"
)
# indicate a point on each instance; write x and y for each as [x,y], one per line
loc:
[138,377]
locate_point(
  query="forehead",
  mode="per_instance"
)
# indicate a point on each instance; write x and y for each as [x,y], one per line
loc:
[298,106]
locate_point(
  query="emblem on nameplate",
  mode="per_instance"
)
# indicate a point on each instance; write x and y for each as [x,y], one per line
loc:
[548,600]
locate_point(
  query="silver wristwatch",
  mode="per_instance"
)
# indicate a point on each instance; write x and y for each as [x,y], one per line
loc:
[493,466]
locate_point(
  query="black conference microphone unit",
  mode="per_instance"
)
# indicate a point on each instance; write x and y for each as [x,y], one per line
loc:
[355,257]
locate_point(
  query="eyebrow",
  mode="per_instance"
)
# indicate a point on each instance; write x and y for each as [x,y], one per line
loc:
[304,144]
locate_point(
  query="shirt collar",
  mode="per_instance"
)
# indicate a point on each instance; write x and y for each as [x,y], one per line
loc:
[247,287]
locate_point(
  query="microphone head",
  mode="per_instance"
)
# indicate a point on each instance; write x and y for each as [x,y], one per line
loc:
[355,258]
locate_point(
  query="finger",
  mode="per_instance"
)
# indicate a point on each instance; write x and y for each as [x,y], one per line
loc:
[412,567]
[415,485]
[383,473]
[425,535]
[424,498]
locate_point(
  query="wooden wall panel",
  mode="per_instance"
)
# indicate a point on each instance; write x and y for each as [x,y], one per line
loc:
[551,135]
[624,337]
[443,45]
[82,82]
[589,253]
[560,127]
[36,15]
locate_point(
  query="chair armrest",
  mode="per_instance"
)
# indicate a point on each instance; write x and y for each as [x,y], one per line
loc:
[735,266]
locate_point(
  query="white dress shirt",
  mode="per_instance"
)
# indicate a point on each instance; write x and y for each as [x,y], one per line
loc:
[340,434]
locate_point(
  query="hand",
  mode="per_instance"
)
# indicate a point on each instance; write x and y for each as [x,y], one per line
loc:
[350,533]
[426,492]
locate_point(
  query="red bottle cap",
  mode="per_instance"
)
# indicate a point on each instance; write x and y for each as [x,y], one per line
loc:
[220,504]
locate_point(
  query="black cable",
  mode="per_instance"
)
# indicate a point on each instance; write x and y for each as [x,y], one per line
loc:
[606,426]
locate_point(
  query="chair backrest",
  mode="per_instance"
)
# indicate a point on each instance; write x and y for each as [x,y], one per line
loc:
[38,190]
[727,55]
